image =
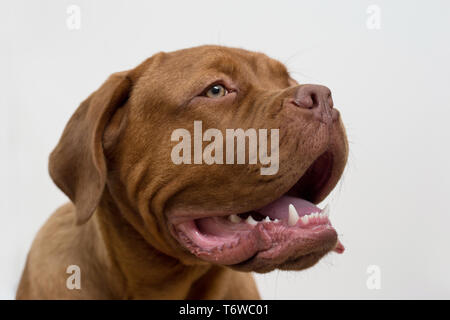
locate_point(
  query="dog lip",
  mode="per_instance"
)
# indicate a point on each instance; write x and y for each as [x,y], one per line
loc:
[274,243]
[222,241]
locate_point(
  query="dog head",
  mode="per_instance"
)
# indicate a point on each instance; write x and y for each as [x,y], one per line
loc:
[217,155]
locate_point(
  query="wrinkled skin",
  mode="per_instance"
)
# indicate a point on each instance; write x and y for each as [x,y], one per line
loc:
[113,161]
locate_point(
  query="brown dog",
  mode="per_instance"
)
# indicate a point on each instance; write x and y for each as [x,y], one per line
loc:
[142,227]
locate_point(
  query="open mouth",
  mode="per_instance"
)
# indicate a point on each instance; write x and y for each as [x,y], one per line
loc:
[288,229]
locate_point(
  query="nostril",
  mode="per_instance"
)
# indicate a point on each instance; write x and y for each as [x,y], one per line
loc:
[314,100]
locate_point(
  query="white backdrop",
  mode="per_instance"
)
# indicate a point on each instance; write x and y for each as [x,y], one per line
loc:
[386,62]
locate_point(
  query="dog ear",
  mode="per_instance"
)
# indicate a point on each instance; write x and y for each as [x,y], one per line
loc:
[77,165]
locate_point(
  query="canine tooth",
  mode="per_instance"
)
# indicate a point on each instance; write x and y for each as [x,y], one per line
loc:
[251,221]
[267,219]
[326,211]
[305,219]
[293,216]
[276,220]
[234,218]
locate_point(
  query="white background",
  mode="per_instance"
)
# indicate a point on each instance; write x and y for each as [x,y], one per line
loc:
[392,86]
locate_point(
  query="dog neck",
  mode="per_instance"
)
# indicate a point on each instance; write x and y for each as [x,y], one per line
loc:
[145,272]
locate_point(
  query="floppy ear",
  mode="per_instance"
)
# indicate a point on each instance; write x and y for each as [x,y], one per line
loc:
[77,165]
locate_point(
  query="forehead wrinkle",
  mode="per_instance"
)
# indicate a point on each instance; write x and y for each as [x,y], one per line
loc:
[223,64]
[244,66]
[261,66]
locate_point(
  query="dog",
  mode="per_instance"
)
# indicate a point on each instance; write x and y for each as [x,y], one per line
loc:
[140,226]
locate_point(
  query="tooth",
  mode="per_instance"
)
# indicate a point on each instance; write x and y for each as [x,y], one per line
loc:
[251,221]
[267,219]
[276,220]
[293,216]
[234,218]
[305,219]
[326,211]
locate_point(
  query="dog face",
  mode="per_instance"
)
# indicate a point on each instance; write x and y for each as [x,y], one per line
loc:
[121,137]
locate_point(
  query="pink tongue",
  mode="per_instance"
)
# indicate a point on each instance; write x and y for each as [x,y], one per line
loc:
[279,209]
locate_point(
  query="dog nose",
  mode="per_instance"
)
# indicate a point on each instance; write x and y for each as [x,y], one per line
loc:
[316,98]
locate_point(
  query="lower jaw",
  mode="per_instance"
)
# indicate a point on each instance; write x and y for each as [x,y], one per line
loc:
[262,248]
[262,265]
[294,254]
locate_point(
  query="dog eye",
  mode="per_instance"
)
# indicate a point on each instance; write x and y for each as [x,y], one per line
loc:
[216,91]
